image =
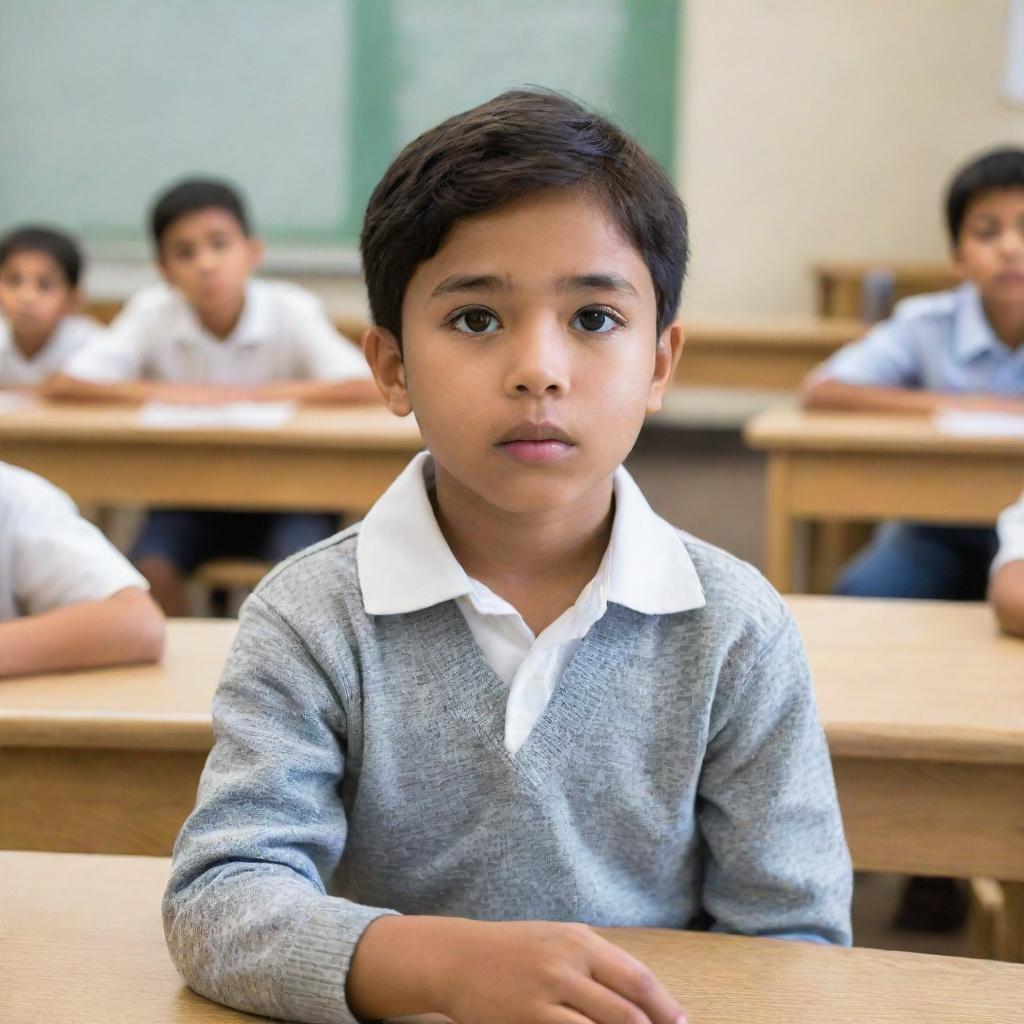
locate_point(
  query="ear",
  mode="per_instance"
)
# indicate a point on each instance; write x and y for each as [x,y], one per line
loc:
[958,262]
[666,359]
[76,300]
[257,250]
[383,354]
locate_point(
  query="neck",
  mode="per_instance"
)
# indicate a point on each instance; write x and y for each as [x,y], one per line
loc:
[221,322]
[1007,321]
[538,561]
[29,345]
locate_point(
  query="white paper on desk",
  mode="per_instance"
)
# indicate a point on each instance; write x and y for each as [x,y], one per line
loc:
[966,423]
[251,415]
[11,400]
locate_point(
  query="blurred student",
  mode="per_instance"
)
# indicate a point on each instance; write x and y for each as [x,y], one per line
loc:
[68,598]
[959,349]
[40,329]
[212,333]
[1006,590]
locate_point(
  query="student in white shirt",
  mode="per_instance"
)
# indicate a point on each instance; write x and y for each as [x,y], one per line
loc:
[212,333]
[68,598]
[1006,589]
[40,270]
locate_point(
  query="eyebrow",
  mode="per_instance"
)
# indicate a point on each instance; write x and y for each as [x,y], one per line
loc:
[598,282]
[472,283]
[491,282]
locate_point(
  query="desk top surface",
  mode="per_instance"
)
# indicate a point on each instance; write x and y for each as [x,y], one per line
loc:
[94,923]
[786,428]
[811,332]
[905,679]
[363,427]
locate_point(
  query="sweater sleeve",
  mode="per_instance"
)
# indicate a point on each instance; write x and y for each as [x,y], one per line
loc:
[246,915]
[777,862]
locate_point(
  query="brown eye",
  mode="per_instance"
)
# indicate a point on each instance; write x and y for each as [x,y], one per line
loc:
[476,321]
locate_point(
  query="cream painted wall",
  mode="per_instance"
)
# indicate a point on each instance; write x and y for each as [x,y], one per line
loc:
[826,129]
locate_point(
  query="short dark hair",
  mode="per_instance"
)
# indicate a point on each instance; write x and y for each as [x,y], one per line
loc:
[519,142]
[998,168]
[191,195]
[58,245]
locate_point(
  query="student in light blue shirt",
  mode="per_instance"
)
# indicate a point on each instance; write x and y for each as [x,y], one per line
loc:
[963,349]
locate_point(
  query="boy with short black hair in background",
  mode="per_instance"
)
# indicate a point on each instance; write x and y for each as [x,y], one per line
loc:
[959,349]
[214,333]
[40,328]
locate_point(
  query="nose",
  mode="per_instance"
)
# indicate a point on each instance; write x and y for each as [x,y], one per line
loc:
[1011,243]
[538,363]
[208,259]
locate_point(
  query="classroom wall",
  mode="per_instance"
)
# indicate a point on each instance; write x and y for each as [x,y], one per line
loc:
[808,130]
[826,129]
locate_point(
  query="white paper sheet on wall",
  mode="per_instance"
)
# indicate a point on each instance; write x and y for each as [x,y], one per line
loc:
[1013,77]
[963,423]
[237,415]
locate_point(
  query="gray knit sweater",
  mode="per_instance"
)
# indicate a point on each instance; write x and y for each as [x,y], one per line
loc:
[678,770]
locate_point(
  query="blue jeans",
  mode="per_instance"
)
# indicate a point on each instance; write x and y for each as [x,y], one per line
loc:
[944,563]
[186,538]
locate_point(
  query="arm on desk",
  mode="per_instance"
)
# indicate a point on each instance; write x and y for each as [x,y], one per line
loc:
[126,628]
[135,392]
[1006,594]
[829,393]
[246,914]
[357,390]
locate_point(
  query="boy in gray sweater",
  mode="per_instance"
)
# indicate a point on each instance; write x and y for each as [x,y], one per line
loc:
[513,702]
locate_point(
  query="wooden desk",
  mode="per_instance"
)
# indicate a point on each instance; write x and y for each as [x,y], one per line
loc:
[854,467]
[923,705]
[765,354]
[324,459]
[107,761]
[840,283]
[94,924]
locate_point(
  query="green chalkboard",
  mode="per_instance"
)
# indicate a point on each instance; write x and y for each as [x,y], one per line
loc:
[302,102]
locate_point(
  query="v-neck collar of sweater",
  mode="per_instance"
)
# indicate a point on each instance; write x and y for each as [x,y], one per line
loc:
[472,692]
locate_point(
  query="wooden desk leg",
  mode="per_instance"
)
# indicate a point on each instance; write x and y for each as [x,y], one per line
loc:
[833,544]
[780,532]
[1013,899]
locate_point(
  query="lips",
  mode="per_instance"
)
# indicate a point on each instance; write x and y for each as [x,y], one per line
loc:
[534,443]
[529,431]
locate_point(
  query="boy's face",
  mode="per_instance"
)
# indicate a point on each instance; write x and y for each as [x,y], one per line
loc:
[34,296]
[531,353]
[208,257]
[990,250]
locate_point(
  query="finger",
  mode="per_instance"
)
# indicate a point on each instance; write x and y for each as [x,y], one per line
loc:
[638,984]
[601,1004]
[566,1015]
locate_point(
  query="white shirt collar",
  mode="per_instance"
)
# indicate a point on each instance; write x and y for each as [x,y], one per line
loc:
[405,564]
[254,326]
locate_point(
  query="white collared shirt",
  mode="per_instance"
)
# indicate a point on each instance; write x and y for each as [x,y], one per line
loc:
[282,334]
[72,333]
[405,565]
[1011,536]
[49,555]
